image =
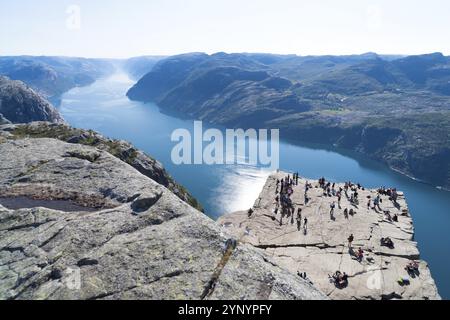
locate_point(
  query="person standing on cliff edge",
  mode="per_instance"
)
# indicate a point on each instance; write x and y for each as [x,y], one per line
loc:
[350,240]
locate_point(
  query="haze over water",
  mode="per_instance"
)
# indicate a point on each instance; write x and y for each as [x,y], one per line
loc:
[104,107]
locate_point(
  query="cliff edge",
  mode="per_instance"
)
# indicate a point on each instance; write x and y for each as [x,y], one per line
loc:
[77,222]
[319,246]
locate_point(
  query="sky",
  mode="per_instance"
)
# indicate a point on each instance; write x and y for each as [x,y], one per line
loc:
[126,28]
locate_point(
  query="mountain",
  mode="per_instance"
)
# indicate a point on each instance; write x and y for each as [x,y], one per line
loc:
[52,76]
[137,67]
[196,84]
[429,72]
[382,106]
[79,223]
[20,104]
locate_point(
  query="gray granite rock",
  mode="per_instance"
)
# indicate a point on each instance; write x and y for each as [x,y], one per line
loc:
[134,240]
[3,120]
[20,104]
[120,149]
[323,249]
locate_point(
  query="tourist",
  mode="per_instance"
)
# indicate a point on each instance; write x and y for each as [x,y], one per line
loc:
[376,202]
[332,206]
[360,254]
[412,267]
[299,221]
[350,240]
[340,279]
[387,242]
[339,199]
[346,213]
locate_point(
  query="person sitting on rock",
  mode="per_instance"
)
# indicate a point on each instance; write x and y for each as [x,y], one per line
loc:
[360,254]
[403,281]
[340,279]
[336,276]
[387,214]
[412,268]
[387,242]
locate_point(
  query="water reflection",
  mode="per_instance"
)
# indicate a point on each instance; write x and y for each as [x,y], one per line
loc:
[104,107]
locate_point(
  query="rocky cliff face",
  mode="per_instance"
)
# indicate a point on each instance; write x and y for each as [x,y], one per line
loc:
[21,104]
[77,222]
[321,248]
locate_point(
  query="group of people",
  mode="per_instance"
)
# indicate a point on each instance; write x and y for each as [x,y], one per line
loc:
[389,217]
[340,279]
[284,204]
[353,188]
[303,276]
[390,192]
[387,242]
[351,193]
[283,201]
[412,267]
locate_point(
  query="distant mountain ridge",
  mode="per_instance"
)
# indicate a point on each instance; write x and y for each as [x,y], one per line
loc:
[52,76]
[137,67]
[383,106]
[426,72]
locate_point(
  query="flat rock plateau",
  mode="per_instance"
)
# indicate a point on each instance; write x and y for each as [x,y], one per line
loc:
[323,248]
[104,229]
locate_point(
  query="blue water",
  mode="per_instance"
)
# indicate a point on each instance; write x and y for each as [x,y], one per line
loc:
[104,107]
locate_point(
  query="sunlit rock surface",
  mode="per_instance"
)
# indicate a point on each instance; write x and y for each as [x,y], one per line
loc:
[323,248]
[128,238]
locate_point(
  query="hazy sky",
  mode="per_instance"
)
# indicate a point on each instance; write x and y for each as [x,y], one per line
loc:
[119,28]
